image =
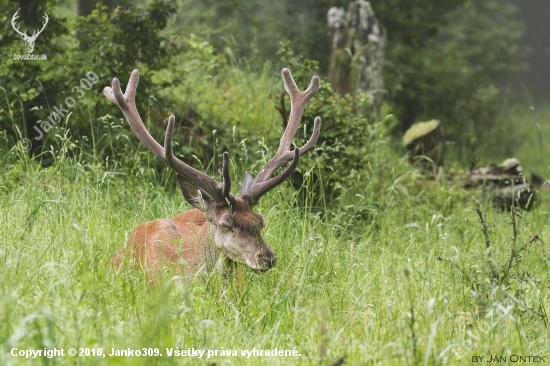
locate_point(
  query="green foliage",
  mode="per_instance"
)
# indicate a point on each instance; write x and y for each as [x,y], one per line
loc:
[115,42]
[253,29]
[105,43]
[445,59]
[451,75]
[411,24]
[23,84]
[522,133]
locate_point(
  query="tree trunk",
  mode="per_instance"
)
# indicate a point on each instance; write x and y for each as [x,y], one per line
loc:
[85,7]
[357,51]
[28,13]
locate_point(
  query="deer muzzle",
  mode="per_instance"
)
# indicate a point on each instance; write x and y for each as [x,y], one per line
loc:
[265,259]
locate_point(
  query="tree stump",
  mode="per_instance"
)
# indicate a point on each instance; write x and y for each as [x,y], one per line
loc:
[357,48]
[425,139]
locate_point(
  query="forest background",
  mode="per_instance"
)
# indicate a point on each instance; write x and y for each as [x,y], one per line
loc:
[479,67]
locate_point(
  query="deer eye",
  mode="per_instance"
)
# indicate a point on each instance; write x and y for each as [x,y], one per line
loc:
[225,223]
[226,226]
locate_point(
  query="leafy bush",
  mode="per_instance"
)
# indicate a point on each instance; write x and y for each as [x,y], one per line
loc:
[108,44]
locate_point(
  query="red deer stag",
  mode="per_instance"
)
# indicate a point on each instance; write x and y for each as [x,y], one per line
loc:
[223,228]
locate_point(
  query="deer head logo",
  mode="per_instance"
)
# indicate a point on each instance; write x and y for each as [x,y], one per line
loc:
[29,40]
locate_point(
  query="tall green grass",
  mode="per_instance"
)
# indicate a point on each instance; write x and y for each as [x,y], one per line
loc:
[392,269]
[384,275]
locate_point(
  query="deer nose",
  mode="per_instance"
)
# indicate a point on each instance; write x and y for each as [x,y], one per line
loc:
[268,261]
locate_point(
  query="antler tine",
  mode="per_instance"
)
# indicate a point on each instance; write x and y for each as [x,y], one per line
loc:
[218,191]
[298,101]
[127,104]
[314,136]
[260,188]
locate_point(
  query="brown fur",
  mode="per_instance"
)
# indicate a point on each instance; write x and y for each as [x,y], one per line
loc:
[165,242]
[185,242]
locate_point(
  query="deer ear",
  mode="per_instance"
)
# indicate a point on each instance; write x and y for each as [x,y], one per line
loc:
[247,182]
[196,197]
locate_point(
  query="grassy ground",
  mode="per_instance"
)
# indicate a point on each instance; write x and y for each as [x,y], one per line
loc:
[399,270]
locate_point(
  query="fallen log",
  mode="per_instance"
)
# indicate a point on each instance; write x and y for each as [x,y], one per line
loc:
[505,184]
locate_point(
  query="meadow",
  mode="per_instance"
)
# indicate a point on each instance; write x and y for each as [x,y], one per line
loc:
[378,261]
[397,269]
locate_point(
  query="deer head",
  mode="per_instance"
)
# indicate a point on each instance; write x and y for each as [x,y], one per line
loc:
[233,227]
[29,40]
